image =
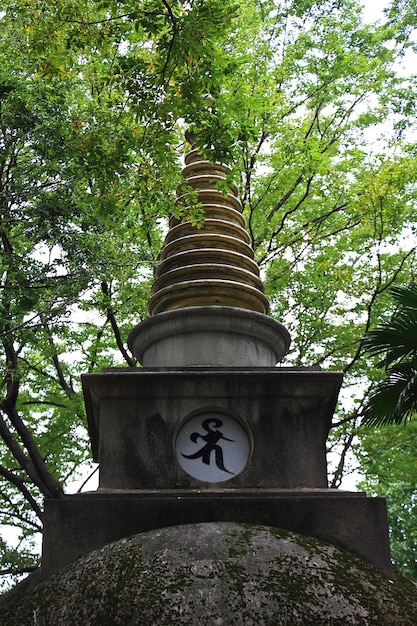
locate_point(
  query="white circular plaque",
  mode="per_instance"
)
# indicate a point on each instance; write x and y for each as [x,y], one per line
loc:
[212,447]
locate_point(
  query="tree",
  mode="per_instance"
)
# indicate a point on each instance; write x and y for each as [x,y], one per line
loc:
[85,178]
[395,398]
[387,458]
[95,98]
[387,455]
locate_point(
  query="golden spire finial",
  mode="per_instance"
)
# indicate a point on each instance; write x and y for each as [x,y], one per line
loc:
[210,265]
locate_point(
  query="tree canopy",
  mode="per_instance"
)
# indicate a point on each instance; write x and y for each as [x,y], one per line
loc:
[309,105]
[387,457]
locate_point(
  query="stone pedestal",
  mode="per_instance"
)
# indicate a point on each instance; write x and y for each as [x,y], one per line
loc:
[135,417]
[79,524]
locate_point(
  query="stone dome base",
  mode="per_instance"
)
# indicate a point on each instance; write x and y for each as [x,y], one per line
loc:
[216,574]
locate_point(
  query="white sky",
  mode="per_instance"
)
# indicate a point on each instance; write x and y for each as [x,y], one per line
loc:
[373,9]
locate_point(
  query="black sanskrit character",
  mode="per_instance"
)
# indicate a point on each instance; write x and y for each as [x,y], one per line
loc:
[211,438]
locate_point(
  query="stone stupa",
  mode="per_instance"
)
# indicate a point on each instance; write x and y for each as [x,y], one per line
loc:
[213,502]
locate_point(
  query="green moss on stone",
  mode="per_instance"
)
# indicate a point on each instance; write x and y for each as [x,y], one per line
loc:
[248,575]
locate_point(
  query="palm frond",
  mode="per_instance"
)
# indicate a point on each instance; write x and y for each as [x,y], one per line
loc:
[396,339]
[405,296]
[394,401]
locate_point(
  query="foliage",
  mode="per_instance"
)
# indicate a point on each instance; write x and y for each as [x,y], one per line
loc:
[388,455]
[395,398]
[303,99]
[388,458]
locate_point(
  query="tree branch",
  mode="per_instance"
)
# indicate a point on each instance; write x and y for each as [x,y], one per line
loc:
[112,319]
[19,570]
[19,483]
[65,386]
[174,34]
[379,288]
[338,475]
[33,465]
[285,197]
[87,479]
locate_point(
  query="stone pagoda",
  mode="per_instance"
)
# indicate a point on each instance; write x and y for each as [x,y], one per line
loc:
[210,429]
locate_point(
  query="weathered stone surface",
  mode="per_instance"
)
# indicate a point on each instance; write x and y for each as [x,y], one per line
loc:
[203,336]
[216,574]
[78,524]
[134,415]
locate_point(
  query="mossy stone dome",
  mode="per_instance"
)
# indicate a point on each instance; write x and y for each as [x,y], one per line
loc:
[216,574]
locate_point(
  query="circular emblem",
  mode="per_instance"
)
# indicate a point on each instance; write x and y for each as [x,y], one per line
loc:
[212,447]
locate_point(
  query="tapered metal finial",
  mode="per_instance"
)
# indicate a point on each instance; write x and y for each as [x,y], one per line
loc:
[212,265]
